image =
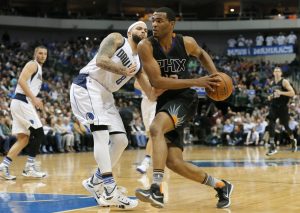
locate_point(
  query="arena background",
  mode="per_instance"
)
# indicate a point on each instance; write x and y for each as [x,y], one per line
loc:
[72,31]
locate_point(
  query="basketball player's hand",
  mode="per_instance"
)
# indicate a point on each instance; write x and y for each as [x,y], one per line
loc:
[208,82]
[130,71]
[37,102]
[277,93]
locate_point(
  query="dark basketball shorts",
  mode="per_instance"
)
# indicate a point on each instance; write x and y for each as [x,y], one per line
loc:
[181,109]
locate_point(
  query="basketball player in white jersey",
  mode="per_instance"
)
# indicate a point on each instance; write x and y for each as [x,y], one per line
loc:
[93,104]
[148,107]
[26,121]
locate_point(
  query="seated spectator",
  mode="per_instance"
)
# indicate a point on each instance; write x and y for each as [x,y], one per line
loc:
[138,133]
[83,138]
[50,136]
[68,136]
[5,134]
[227,132]
[60,131]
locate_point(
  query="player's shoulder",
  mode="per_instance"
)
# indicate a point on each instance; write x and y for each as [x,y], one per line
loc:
[145,43]
[188,39]
[31,64]
[116,37]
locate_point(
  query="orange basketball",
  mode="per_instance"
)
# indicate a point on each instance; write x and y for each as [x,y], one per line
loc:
[223,91]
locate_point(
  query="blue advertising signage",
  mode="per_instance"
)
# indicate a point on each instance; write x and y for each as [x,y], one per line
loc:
[263,50]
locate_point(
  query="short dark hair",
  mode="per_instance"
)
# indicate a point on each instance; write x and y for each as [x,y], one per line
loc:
[170,13]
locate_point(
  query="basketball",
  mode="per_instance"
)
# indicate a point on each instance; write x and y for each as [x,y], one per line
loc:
[223,91]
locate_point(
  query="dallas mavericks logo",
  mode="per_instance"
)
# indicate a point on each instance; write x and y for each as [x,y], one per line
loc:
[90,116]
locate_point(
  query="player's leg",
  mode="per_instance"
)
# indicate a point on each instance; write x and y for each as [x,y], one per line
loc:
[273,115]
[143,167]
[161,124]
[148,109]
[24,116]
[176,163]
[22,141]
[86,102]
[36,138]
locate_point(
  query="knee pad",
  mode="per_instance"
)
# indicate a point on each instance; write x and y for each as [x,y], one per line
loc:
[37,137]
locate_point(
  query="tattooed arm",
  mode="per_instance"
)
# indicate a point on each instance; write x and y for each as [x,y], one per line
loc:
[108,47]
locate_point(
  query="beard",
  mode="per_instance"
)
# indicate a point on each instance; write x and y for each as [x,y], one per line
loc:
[136,38]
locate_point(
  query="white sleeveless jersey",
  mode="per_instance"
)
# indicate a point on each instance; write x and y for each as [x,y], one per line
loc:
[111,81]
[34,82]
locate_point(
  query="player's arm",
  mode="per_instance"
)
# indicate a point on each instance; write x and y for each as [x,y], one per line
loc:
[29,70]
[194,49]
[290,91]
[142,83]
[151,67]
[107,48]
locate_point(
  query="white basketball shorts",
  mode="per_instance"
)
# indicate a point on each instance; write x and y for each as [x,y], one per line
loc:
[93,104]
[24,116]
[148,112]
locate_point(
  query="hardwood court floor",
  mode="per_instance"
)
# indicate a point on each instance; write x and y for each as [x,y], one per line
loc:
[261,184]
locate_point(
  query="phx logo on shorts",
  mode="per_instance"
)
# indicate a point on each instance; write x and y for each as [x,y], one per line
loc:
[174,111]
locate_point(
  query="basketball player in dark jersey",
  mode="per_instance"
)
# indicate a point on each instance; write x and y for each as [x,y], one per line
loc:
[164,57]
[282,92]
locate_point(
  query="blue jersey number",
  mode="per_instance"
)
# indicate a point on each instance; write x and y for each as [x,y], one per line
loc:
[120,79]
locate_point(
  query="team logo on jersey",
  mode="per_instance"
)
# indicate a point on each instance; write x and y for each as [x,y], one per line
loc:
[173,110]
[90,116]
[174,65]
[31,121]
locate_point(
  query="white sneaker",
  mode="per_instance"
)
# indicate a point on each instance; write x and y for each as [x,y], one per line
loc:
[95,189]
[116,198]
[4,173]
[143,167]
[31,171]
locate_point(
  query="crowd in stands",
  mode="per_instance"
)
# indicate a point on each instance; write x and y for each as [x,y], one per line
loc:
[263,40]
[242,123]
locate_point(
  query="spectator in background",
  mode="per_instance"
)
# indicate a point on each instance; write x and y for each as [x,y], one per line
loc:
[269,40]
[281,40]
[241,41]
[50,136]
[60,131]
[249,42]
[68,137]
[291,38]
[231,43]
[259,41]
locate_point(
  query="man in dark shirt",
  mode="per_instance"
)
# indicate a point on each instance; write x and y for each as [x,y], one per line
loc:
[282,91]
[164,57]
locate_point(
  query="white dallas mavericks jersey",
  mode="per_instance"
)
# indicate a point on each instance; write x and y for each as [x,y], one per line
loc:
[111,81]
[34,82]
